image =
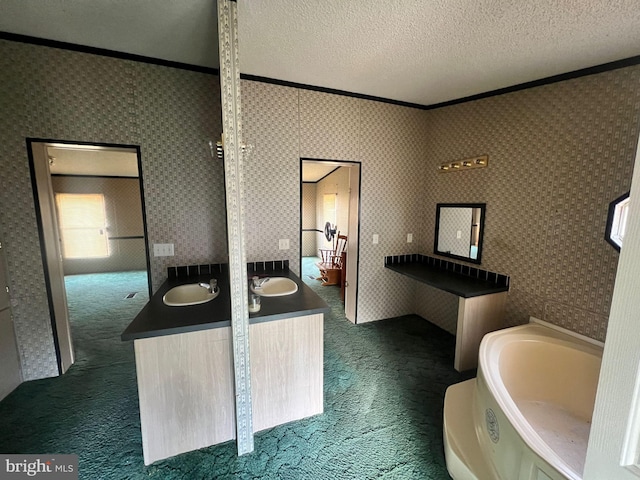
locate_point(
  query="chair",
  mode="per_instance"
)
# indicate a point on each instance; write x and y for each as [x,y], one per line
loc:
[331,262]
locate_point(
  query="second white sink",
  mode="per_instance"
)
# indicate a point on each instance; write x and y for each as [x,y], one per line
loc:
[276,287]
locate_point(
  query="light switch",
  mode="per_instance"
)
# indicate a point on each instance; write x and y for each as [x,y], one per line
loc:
[409,237]
[459,234]
[375,238]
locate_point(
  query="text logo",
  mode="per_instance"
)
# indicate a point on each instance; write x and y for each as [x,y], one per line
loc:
[49,467]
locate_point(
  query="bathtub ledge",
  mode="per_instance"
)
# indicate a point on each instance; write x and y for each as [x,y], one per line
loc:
[462,450]
[571,333]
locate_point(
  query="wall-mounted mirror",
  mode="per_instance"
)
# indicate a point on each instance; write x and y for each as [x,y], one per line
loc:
[459,230]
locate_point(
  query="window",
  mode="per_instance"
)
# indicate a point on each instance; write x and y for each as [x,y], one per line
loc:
[617,221]
[329,208]
[82,221]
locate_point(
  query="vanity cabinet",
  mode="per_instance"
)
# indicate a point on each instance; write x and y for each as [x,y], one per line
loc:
[186,392]
[286,370]
[184,367]
[186,387]
[482,298]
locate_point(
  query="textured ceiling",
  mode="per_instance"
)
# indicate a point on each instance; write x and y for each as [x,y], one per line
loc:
[418,51]
[432,51]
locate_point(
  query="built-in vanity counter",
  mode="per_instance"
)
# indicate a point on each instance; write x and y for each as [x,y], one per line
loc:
[184,362]
[482,297]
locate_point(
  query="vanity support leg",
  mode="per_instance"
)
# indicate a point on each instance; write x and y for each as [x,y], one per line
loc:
[477,316]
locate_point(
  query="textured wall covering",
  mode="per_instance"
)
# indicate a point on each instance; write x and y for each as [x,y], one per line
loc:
[330,126]
[284,124]
[437,306]
[392,202]
[124,219]
[272,181]
[170,113]
[558,154]
[179,112]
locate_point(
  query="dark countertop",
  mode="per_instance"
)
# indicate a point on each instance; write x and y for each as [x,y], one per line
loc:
[157,319]
[452,282]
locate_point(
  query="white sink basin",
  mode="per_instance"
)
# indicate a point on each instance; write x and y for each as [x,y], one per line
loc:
[276,287]
[190,294]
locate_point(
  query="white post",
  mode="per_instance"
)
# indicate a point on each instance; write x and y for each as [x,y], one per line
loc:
[234,182]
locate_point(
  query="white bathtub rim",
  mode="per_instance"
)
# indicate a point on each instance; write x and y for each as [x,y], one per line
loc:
[528,332]
[571,333]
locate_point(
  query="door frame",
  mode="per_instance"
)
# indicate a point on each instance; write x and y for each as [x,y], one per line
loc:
[353,242]
[49,237]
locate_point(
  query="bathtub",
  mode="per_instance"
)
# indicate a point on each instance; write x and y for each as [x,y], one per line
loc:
[528,412]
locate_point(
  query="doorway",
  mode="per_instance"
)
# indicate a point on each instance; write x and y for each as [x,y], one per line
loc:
[90,211]
[330,208]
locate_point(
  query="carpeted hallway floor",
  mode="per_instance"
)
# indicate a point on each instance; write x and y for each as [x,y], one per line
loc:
[384,388]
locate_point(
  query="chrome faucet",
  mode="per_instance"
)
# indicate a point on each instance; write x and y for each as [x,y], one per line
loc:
[212,286]
[259,282]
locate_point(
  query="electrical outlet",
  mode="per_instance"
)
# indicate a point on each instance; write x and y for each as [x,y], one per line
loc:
[283,244]
[409,237]
[163,249]
[376,238]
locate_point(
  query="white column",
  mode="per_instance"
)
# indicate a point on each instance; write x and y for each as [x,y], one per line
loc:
[234,182]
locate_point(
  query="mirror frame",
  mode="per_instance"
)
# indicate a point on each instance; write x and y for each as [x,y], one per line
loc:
[483,211]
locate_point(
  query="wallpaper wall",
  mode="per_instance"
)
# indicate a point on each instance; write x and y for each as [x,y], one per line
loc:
[558,155]
[284,124]
[123,210]
[272,177]
[63,95]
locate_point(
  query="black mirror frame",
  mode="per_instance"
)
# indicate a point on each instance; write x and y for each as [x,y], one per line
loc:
[610,215]
[483,211]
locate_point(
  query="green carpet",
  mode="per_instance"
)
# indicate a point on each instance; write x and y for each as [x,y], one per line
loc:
[99,311]
[384,389]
